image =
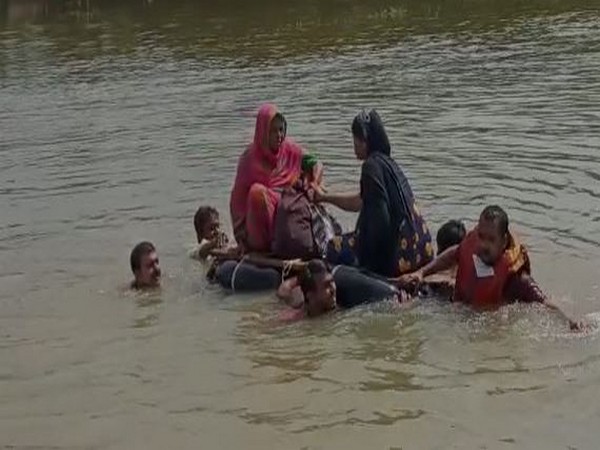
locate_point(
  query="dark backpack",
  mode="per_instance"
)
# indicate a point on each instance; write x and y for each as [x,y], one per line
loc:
[302,229]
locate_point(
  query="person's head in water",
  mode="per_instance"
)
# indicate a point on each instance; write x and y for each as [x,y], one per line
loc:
[369,135]
[277,132]
[144,265]
[206,223]
[318,287]
[493,234]
[450,234]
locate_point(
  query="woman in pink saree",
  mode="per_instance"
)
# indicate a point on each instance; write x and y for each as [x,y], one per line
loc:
[269,164]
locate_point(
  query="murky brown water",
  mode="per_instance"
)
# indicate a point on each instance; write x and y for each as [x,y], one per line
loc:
[119,118]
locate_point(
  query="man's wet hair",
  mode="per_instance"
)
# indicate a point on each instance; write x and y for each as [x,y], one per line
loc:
[138,252]
[308,277]
[450,234]
[202,216]
[496,214]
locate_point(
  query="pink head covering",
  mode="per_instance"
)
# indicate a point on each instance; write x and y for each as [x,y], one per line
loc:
[259,164]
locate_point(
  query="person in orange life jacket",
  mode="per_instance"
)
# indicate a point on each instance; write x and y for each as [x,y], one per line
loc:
[493,268]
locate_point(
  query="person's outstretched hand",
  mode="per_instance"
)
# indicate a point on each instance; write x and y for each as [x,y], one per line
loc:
[411,282]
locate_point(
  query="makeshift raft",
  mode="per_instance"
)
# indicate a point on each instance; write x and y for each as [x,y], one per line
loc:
[253,272]
[257,272]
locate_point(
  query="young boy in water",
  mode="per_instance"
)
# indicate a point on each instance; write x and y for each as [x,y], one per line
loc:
[208,232]
[492,267]
[450,234]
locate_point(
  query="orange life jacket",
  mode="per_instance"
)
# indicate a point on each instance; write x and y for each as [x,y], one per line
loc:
[487,290]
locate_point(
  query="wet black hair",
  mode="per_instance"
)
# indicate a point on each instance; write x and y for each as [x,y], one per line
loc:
[308,277]
[138,252]
[496,214]
[450,234]
[202,216]
[368,127]
[358,129]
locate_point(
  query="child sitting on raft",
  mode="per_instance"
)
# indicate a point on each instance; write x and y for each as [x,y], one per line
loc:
[210,238]
[208,232]
[492,267]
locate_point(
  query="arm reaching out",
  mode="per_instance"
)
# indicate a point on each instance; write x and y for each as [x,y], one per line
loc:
[445,261]
[346,202]
[524,288]
[573,324]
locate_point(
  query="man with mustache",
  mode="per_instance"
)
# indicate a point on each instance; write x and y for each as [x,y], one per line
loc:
[145,266]
[493,268]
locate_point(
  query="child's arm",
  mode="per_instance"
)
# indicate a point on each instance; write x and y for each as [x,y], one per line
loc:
[223,240]
[206,247]
[220,241]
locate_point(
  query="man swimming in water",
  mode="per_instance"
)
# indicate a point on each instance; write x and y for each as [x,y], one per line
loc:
[145,266]
[325,290]
[493,268]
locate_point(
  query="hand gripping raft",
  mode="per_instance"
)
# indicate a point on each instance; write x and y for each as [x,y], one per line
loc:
[252,272]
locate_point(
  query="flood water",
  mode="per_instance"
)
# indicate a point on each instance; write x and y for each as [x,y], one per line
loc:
[119,118]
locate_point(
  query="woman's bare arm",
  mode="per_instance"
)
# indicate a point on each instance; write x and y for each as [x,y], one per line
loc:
[347,202]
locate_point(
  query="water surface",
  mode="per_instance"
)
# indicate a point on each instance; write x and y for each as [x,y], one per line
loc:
[119,118]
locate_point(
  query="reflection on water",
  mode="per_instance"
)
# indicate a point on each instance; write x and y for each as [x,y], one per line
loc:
[119,118]
[294,351]
[393,336]
[149,304]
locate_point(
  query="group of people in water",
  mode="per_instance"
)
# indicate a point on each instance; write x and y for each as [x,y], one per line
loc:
[390,253]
